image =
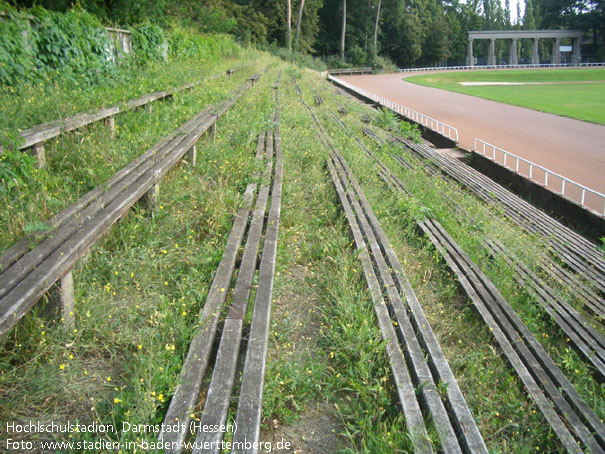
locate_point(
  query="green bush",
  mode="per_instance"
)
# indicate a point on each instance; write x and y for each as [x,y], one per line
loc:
[41,41]
[383,64]
[148,43]
[16,56]
[300,59]
[186,44]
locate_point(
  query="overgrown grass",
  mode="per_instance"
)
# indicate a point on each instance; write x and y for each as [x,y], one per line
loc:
[79,161]
[583,101]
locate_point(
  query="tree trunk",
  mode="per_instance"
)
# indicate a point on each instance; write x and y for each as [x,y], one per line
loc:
[344,27]
[289,27]
[298,21]
[376,25]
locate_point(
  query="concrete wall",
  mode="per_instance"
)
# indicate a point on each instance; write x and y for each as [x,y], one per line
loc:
[571,214]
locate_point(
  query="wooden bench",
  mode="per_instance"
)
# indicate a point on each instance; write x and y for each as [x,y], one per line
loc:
[349,71]
[29,274]
[34,138]
[225,364]
[569,416]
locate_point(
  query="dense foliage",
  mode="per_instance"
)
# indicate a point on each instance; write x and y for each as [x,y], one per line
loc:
[35,43]
[39,45]
[409,32]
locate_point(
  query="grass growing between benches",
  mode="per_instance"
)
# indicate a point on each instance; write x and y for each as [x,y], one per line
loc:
[139,292]
[583,101]
[504,412]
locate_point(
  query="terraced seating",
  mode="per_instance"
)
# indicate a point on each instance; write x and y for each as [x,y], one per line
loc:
[28,274]
[417,362]
[578,253]
[574,283]
[225,364]
[571,419]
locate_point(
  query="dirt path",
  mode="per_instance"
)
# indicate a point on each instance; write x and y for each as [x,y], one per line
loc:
[572,148]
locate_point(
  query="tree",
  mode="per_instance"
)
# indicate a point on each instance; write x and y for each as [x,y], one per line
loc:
[376,25]
[289,29]
[529,22]
[344,27]
[298,20]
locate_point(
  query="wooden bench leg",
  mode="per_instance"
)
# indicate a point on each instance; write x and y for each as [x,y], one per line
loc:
[149,107]
[192,155]
[37,151]
[213,131]
[151,197]
[61,299]
[111,124]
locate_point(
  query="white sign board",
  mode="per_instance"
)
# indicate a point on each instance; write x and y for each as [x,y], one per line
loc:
[565,48]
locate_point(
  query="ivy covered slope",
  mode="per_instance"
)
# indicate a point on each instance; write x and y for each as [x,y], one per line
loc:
[53,65]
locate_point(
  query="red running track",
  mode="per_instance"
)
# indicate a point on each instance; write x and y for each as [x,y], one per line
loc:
[572,148]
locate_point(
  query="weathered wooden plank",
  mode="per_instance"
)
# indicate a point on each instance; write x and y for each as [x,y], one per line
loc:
[579,253]
[19,270]
[23,246]
[48,130]
[218,398]
[413,353]
[186,393]
[403,381]
[463,420]
[248,416]
[584,338]
[555,421]
[22,297]
[539,364]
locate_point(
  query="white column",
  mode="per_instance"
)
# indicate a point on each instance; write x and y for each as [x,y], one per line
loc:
[513,58]
[470,59]
[535,56]
[491,59]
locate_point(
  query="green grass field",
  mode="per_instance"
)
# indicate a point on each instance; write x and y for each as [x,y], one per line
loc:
[584,101]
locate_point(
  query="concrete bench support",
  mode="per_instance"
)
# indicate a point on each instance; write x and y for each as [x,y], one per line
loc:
[37,151]
[62,302]
[151,197]
[111,124]
[192,155]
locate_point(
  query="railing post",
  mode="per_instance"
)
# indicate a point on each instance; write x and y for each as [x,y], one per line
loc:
[531,168]
[563,186]
[583,195]
[545,179]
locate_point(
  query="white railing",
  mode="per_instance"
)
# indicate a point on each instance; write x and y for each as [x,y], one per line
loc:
[570,189]
[444,129]
[482,67]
